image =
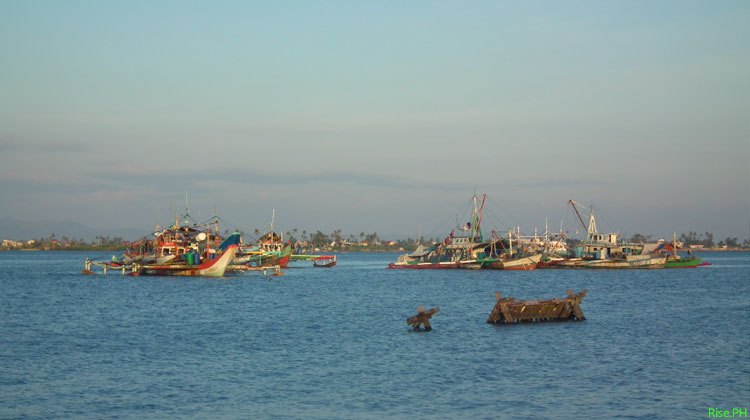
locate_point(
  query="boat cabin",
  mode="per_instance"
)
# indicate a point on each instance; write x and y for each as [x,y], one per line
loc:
[601,246]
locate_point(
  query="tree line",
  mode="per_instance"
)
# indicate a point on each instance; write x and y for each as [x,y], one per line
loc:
[705,239]
[338,241]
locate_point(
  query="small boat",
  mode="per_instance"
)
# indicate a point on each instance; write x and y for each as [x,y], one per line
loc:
[673,259]
[690,262]
[324,261]
[275,250]
[524,263]
[416,265]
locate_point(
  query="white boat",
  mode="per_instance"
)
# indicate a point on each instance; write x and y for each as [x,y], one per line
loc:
[605,250]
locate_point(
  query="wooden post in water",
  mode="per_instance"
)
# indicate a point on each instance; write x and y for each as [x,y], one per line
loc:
[422,318]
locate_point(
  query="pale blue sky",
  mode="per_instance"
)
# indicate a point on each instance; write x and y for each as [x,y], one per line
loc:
[377,116]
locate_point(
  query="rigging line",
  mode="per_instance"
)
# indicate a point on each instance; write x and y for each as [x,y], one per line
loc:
[231,225]
[608,220]
[468,205]
[513,219]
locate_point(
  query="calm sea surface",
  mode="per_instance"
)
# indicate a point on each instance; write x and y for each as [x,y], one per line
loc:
[333,343]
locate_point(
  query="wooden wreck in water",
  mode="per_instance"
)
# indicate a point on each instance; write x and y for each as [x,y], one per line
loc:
[509,311]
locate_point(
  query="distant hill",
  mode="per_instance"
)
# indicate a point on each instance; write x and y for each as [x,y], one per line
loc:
[23,230]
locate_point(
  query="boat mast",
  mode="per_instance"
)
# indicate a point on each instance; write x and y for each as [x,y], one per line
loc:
[510,242]
[592,221]
[474,218]
[479,222]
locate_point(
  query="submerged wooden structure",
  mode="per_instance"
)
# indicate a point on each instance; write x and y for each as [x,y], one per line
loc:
[422,318]
[509,311]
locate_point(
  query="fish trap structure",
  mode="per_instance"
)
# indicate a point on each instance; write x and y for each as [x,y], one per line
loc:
[509,311]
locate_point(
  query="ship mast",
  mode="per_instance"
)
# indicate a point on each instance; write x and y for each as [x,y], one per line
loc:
[479,221]
[573,204]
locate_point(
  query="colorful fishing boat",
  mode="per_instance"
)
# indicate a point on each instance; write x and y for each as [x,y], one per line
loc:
[214,267]
[690,262]
[192,255]
[674,260]
[324,261]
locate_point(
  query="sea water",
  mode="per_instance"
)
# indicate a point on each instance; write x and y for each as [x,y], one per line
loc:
[333,343]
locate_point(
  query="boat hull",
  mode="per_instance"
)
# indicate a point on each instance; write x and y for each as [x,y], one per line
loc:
[424,266]
[685,263]
[630,262]
[519,264]
[213,268]
[328,265]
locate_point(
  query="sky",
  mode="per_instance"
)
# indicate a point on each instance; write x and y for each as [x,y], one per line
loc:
[378,117]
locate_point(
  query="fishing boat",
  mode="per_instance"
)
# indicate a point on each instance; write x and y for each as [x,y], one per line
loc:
[524,263]
[423,258]
[606,251]
[689,262]
[274,251]
[324,261]
[191,255]
[456,251]
[215,267]
[501,254]
[674,260]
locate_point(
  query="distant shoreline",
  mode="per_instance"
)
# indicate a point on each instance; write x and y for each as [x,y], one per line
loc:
[338,252]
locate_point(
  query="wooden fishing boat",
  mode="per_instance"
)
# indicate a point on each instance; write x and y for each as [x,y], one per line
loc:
[606,251]
[674,260]
[501,254]
[209,268]
[629,261]
[456,251]
[415,265]
[524,263]
[175,251]
[690,262]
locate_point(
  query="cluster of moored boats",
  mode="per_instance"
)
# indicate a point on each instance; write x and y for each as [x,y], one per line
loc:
[194,250]
[469,249]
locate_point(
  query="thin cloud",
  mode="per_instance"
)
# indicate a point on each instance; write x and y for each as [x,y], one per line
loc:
[559,183]
[191,179]
[8,145]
